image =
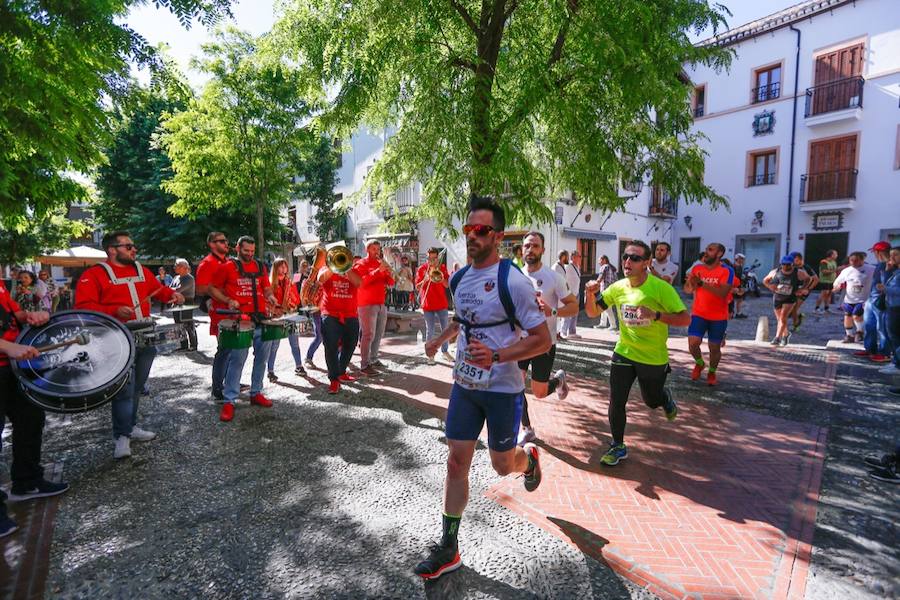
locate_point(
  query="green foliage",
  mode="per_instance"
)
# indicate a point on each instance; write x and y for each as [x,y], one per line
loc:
[130,184]
[515,98]
[316,184]
[60,62]
[237,146]
[38,236]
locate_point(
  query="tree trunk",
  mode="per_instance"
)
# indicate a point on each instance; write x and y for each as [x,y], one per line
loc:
[260,240]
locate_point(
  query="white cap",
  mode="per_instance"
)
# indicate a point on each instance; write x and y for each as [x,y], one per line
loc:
[739,255]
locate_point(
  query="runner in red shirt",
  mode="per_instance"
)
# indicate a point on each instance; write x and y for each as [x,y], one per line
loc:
[340,321]
[243,284]
[711,282]
[206,270]
[27,419]
[122,288]
[433,299]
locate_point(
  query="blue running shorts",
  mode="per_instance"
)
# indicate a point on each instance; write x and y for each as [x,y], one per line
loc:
[469,409]
[714,330]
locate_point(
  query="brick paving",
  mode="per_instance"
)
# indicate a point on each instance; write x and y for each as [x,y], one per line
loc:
[719,504]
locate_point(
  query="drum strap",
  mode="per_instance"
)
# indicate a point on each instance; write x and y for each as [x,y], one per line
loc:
[129,281]
[253,277]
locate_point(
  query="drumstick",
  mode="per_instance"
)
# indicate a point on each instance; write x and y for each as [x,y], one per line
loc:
[153,293]
[82,339]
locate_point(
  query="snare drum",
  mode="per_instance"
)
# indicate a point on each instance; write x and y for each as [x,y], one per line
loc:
[75,378]
[235,335]
[277,329]
[165,337]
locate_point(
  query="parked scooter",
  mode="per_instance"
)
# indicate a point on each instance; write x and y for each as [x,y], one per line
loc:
[751,279]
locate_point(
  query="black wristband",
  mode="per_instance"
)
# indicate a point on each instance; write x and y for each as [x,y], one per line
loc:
[658,315]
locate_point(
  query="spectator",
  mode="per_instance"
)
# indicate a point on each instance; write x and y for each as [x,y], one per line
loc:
[517,256]
[875,337]
[856,279]
[607,275]
[892,312]
[661,266]
[184,284]
[164,278]
[403,288]
[51,297]
[28,295]
[740,286]
[573,279]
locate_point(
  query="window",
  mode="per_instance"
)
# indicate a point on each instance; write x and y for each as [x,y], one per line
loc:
[588,251]
[763,167]
[768,84]
[699,101]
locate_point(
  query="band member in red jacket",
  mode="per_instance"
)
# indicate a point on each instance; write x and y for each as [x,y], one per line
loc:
[243,284]
[27,418]
[122,288]
[433,299]
[206,270]
[376,276]
[340,322]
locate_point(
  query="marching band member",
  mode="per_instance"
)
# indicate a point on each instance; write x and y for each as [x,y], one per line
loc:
[243,284]
[122,288]
[376,276]
[433,299]
[340,322]
[288,298]
[206,270]
[27,418]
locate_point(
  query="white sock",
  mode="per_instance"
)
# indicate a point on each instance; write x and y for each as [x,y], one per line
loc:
[860,326]
[849,332]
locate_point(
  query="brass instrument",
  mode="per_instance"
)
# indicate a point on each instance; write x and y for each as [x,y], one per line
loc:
[310,287]
[338,258]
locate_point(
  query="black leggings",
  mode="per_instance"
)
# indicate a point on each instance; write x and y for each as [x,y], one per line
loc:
[622,373]
[340,338]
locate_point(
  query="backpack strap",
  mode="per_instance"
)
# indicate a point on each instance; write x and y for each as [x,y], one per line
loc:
[457,277]
[253,278]
[503,292]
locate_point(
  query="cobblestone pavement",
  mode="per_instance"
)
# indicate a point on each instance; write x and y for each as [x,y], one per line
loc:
[337,497]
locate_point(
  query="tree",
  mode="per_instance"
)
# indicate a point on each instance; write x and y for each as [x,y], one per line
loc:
[61,61]
[130,183]
[317,181]
[240,143]
[520,100]
[38,236]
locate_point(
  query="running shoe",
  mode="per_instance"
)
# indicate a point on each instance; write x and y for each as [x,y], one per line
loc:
[141,435]
[7,526]
[41,489]
[260,400]
[377,364]
[334,387]
[370,371]
[887,474]
[798,322]
[848,339]
[123,447]
[879,358]
[859,336]
[562,389]
[273,377]
[671,407]
[227,412]
[309,364]
[526,434]
[775,341]
[441,559]
[447,356]
[299,370]
[786,339]
[533,474]
[695,374]
[880,462]
[615,453]
[346,377]
[711,379]
[430,359]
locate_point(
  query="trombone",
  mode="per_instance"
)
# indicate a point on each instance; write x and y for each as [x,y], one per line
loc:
[338,258]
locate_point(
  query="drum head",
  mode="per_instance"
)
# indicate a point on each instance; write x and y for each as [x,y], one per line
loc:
[76,377]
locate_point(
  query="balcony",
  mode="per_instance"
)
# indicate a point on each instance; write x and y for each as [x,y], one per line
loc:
[698,111]
[828,190]
[835,101]
[762,179]
[765,92]
[662,205]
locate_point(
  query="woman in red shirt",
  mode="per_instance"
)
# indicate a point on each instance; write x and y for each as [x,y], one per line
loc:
[286,297]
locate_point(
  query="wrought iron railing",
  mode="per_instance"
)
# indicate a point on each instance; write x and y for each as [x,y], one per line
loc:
[698,110]
[662,204]
[763,179]
[765,92]
[828,185]
[835,95]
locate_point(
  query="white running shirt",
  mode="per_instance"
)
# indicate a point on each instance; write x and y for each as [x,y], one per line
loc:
[859,283]
[553,289]
[477,300]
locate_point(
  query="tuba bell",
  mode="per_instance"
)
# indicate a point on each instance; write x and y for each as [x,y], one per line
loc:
[338,258]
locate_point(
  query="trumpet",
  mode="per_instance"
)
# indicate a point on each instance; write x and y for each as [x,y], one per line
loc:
[338,258]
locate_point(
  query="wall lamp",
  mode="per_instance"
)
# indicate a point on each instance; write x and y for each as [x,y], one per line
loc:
[687,222]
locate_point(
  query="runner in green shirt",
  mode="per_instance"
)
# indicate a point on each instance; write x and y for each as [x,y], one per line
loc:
[828,269]
[647,305]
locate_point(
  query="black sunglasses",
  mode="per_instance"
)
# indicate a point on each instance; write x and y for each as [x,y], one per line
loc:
[220,241]
[126,246]
[633,257]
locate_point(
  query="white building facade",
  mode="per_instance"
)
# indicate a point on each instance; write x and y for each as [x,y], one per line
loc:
[803,134]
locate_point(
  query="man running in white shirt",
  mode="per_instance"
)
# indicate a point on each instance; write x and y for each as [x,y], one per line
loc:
[857,279]
[555,300]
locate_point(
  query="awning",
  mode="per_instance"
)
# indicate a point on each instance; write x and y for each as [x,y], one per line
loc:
[390,239]
[587,234]
[77,256]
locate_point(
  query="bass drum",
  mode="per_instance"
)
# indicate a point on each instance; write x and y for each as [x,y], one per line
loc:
[76,378]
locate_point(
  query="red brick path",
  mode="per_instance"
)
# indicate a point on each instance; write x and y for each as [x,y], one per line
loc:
[719,504]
